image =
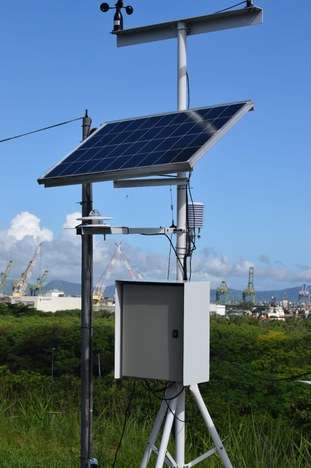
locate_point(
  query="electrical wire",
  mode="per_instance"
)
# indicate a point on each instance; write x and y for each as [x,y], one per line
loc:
[192,240]
[40,129]
[231,7]
[188,90]
[170,241]
[267,379]
[127,412]
[172,225]
[166,399]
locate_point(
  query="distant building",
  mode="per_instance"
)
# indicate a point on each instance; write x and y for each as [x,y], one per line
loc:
[51,302]
[217,309]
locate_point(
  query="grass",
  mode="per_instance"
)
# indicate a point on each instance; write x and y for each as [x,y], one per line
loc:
[36,433]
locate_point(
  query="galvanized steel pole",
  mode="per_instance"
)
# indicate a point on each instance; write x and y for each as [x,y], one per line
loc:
[86,322]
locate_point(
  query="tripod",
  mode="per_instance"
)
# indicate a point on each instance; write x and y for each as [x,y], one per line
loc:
[174,396]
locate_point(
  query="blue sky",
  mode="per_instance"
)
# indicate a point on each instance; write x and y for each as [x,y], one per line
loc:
[59,58]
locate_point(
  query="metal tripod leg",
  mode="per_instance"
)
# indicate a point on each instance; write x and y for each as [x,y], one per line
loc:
[168,408]
[171,405]
[210,425]
[154,434]
[166,432]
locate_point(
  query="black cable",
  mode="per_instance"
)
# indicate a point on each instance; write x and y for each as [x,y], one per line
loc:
[154,391]
[172,207]
[193,242]
[267,379]
[148,417]
[172,225]
[40,129]
[127,412]
[169,259]
[167,399]
[170,241]
[188,90]
[231,7]
[161,398]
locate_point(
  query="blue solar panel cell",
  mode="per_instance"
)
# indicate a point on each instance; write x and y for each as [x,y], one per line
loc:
[144,146]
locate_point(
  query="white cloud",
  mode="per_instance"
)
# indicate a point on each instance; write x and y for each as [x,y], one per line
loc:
[68,231]
[27,224]
[62,258]
[215,267]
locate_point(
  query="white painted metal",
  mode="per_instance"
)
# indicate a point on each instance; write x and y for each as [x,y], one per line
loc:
[181,189]
[172,405]
[195,214]
[162,331]
[197,25]
[129,183]
[154,434]
[210,425]
[105,229]
[181,224]
[196,332]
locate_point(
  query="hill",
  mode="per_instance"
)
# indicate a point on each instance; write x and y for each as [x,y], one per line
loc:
[74,289]
[70,289]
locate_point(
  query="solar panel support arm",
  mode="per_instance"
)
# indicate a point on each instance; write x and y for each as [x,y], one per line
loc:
[104,229]
[130,183]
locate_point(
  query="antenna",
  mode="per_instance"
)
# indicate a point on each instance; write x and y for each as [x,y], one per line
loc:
[118,18]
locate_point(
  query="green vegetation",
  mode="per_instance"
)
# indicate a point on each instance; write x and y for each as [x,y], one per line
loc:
[263,416]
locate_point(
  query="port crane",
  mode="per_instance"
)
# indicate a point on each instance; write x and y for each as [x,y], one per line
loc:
[38,287]
[304,292]
[250,291]
[20,286]
[100,288]
[4,277]
[222,290]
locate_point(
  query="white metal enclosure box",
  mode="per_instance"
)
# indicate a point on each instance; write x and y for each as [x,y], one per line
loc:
[162,331]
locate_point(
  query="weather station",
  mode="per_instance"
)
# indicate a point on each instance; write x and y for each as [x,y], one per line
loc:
[162,328]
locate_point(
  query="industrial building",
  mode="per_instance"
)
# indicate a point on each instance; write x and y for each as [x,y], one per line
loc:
[50,302]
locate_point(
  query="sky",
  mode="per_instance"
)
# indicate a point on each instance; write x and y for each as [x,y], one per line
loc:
[59,58]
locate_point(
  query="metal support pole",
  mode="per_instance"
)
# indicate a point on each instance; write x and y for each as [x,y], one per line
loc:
[210,425]
[181,224]
[154,434]
[86,323]
[181,189]
[166,432]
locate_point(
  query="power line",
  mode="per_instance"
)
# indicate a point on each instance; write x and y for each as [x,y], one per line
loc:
[40,129]
[257,376]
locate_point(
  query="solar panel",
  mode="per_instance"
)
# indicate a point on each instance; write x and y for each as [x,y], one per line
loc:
[146,146]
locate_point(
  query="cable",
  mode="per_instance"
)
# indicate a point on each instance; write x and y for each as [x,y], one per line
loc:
[166,399]
[267,379]
[192,239]
[127,412]
[231,7]
[172,207]
[154,391]
[170,241]
[40,129]
[172,225]
[188,90]
[169,259]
